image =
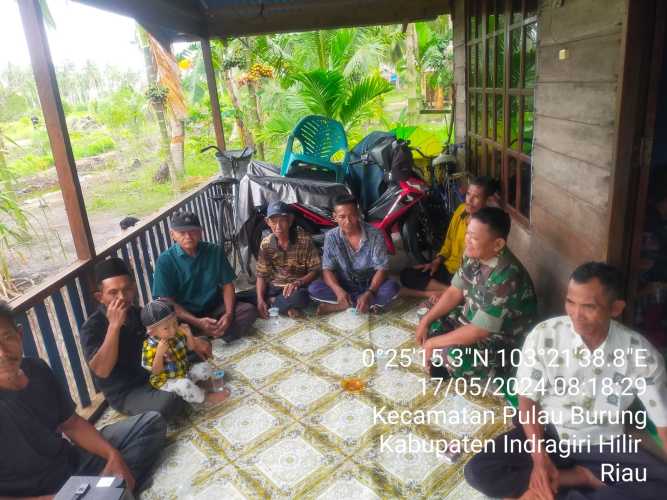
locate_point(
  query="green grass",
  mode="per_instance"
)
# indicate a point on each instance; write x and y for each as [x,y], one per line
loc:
[92,146]
[141,195]
[30,164]
[18,130]
[137,196]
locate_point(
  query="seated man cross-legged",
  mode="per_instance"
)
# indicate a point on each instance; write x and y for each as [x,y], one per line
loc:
[490,304]
[354,265]
[35,413]
[112,339]
[577,378]
[197,279]
[288,262]
[430,280]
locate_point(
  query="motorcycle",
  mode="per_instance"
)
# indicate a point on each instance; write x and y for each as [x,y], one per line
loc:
[399,206]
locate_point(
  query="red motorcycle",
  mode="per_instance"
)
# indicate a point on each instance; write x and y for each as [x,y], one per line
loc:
[398,209]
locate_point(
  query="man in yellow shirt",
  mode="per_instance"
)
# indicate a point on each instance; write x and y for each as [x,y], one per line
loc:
[431,279]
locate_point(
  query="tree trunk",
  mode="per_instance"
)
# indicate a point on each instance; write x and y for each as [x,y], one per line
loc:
[177,149]
[158,107]
[246,135]
[413,77]
[411,57]
[252,90]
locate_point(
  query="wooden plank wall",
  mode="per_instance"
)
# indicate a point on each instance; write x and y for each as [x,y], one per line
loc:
[573,155]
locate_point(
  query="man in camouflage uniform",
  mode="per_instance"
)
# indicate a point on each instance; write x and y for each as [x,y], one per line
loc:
[489,306]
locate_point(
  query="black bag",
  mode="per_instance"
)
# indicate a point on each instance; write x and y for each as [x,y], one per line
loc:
[402,163]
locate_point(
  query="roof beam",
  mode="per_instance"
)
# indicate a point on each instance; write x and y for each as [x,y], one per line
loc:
[173,16]
[261,18]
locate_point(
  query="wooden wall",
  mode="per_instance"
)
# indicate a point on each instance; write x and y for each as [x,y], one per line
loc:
[573,155]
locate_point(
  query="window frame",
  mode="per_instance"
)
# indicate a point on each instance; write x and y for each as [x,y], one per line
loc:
[483,146]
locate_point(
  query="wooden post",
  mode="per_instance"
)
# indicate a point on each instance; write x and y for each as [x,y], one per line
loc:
[56,127]
[213,93]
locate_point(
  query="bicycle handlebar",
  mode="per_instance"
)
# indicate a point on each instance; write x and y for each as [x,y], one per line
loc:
[245,152]
[211,147]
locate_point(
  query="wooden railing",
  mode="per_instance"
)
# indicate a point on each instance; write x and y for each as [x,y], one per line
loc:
[52,313]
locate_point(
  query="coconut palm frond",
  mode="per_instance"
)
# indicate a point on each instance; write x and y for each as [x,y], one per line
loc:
[367,56]
[46,14]
[342,47]
[360,95]
[169,77]
[322,91]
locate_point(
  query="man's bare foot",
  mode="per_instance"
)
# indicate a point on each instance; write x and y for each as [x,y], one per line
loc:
[325,308]
[294,313]
[578,476]
[214,398]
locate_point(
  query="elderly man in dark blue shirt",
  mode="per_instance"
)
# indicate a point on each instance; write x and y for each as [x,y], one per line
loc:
[354,265]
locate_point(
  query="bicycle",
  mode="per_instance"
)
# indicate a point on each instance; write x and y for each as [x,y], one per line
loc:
[226,189]
[444,197]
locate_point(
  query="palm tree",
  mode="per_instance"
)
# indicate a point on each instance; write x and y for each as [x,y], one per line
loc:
[155,93]
[168,76]
[327,93]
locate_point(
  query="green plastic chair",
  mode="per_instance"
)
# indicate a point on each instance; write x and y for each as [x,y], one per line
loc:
[320,138]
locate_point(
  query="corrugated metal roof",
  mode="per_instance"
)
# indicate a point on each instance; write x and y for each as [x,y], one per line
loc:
[192,19]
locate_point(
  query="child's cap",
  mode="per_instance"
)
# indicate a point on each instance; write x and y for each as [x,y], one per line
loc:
[155,312]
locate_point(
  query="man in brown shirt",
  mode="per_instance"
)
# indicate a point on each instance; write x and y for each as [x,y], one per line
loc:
[287,262]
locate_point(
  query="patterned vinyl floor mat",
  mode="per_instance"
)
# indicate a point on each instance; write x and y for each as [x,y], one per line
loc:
[289,430]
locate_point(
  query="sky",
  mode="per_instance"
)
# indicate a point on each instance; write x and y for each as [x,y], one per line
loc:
[82,33]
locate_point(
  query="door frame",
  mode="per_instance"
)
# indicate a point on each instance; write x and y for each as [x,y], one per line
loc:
[642,54]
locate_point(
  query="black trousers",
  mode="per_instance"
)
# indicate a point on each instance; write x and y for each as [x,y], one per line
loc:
[418,280]
[502,474]
[139,439]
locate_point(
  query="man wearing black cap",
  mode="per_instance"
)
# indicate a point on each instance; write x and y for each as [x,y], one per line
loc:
[287,263]
[112,339]
[197,279]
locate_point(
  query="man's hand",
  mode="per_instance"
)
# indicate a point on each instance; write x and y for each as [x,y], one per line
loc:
[432,267]
[544,477]
[224,323]
[207,325]
[116,466]
[364,302]
[421,334]
[290,289]
[162,348]
[263,309]
[117,313]
[343,297]
[202,348]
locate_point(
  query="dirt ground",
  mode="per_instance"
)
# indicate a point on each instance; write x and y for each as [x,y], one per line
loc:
[52,247]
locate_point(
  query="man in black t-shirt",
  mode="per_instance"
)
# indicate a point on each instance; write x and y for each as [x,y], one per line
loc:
[112,339]
[35,412]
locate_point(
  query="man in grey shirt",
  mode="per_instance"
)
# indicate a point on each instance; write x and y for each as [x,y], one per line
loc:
[354,265]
